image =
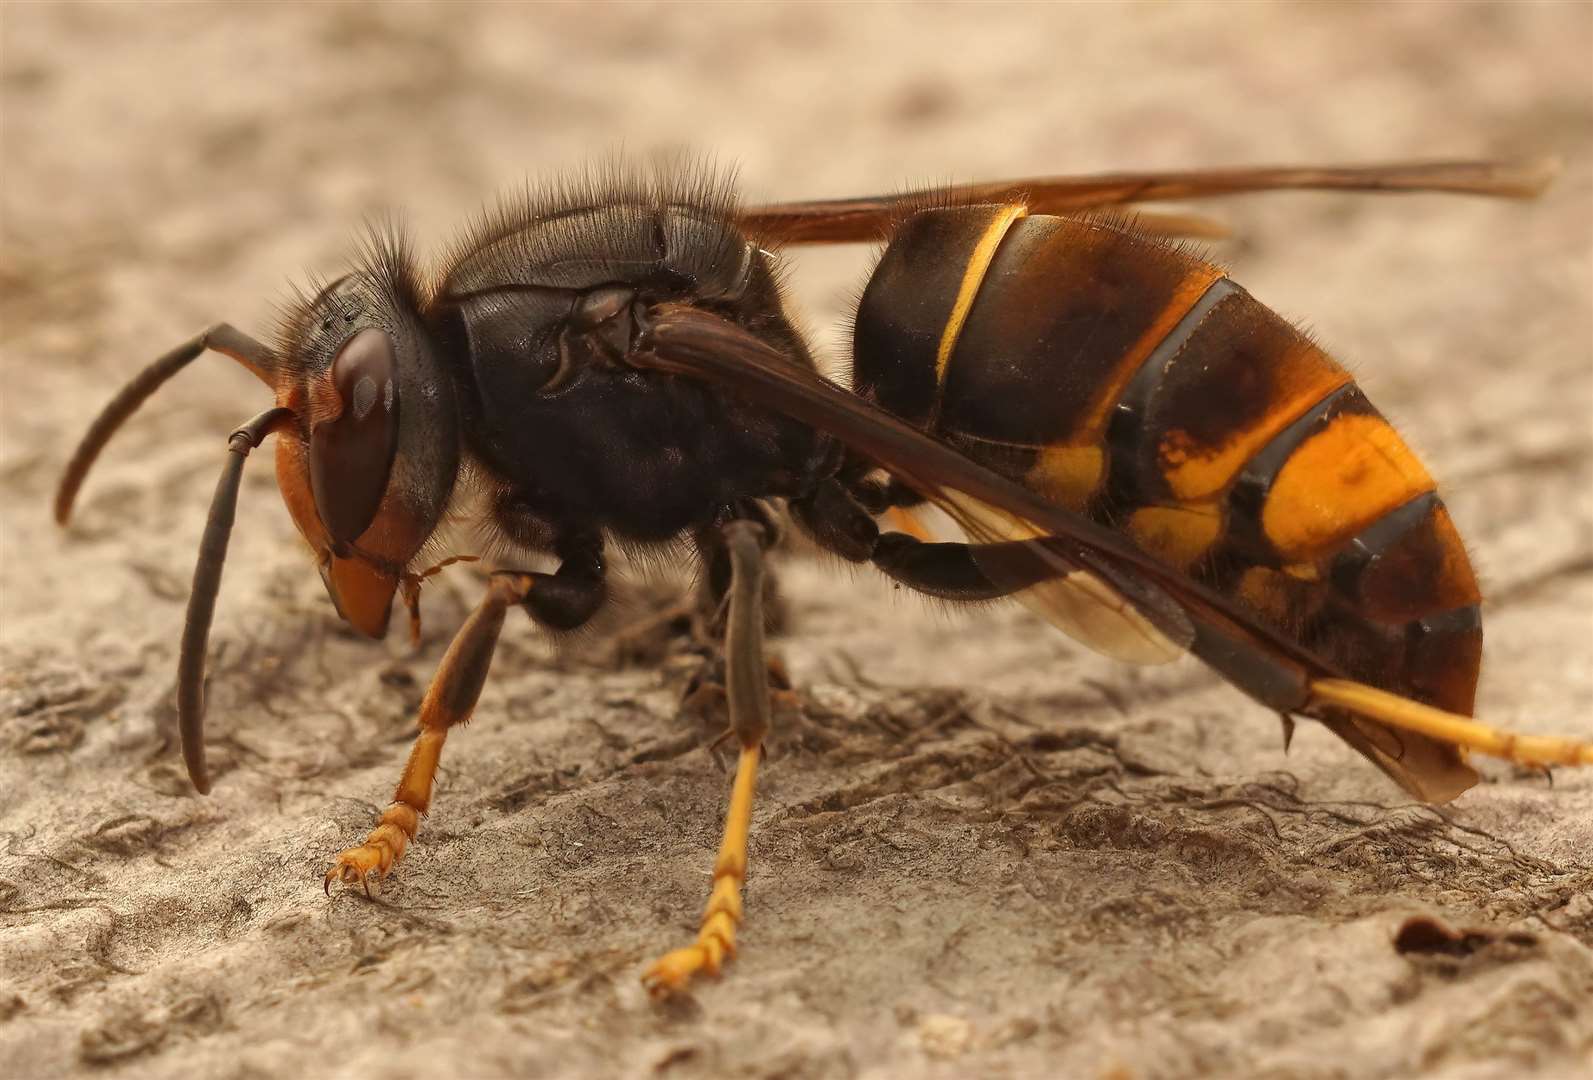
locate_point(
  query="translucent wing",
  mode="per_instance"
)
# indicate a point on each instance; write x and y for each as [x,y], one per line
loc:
[1082,576]
[1093,582]
[867,218]
[1075,600]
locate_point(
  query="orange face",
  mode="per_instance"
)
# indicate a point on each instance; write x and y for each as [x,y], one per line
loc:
[362,588]
[370,462]
[339,484]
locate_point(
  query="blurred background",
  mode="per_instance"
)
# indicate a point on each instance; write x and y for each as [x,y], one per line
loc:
[163,166]
[249,140]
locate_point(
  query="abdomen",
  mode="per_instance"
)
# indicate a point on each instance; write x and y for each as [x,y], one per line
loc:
[1128,380]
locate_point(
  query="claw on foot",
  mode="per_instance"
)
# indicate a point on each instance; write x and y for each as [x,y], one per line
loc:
[673,972]
[716,941]
[357,865]
[380,852]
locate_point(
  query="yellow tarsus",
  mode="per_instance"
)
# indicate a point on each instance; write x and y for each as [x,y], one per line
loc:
[716,940]
[1401,712]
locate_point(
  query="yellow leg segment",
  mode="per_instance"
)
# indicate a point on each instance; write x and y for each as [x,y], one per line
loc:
[449,701]
[716,941]
[1401,712]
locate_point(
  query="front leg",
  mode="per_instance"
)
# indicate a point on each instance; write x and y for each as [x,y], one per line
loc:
[562,601]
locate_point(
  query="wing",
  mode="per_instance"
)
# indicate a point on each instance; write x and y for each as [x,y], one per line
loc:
[1075,572]
[1013,553]
[1029,537]
[1093,581]
[864,219]
[1114,614]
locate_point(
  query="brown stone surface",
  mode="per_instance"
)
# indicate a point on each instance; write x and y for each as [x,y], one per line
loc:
[981,851]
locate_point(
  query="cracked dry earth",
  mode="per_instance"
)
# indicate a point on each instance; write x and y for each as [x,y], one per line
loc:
[976,849]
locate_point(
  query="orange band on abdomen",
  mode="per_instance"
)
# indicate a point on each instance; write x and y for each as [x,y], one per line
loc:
[1337,482]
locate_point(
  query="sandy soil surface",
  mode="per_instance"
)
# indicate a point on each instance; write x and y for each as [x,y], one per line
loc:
[978,850]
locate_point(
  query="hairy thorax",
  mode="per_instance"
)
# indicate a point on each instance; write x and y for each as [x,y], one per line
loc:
[535,316]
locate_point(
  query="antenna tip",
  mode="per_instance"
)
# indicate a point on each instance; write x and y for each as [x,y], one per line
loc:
[65,496]
[1534,175]
[194,759]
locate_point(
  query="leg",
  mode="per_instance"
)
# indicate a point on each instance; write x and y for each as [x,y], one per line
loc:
[705,695]
[747,690]
[718,568]
[840,519]
[693,621]
[1408,715]
[647,640]
[449,701]
[562,600]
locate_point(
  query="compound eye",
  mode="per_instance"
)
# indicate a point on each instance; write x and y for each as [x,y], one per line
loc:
[352,454]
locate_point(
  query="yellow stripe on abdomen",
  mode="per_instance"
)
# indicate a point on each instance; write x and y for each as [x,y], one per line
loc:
[1178,535]
[973,276]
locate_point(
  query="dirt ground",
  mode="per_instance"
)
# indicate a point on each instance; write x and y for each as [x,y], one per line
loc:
[978,850]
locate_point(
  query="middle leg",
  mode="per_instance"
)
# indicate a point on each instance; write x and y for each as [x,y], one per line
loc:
[747,693]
